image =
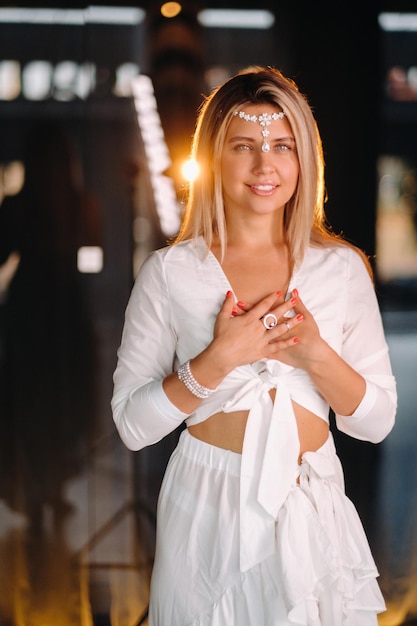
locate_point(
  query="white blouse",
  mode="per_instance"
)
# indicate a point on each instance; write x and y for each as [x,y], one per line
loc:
[170,318]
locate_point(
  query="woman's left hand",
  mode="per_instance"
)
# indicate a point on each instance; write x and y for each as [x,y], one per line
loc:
[308,346]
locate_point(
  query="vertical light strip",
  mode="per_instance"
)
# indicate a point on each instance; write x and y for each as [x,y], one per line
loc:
[157,154]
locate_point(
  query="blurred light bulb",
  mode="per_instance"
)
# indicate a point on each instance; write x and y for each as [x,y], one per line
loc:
[190,170]
[171,9]
[13,177]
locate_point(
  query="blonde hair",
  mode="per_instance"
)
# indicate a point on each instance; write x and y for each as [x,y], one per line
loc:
[304,217]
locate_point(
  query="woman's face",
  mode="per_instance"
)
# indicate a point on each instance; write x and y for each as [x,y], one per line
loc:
[256,179]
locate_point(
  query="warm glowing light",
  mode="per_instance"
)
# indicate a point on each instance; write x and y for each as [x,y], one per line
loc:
[9,80]
[190,170]
[171,9]
[13,177]
[7,272]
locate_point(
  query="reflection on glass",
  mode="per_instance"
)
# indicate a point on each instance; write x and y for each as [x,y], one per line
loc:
[397,219]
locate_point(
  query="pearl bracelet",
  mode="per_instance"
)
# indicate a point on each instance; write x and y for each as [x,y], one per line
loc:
[185,376]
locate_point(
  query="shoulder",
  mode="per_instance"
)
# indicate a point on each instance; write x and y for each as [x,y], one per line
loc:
[339,270]
[191,250]
[172,263]
[338,257]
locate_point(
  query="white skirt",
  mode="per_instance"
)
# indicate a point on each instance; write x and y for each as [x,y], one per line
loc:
[321,574]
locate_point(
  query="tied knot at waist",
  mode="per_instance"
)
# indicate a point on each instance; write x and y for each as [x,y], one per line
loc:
[271,446]
[321,464]
[256,380]
[269,458]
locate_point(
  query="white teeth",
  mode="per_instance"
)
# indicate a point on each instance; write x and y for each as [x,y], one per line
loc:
[264,187]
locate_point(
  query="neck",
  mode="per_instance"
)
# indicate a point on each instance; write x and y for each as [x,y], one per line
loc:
[257,234]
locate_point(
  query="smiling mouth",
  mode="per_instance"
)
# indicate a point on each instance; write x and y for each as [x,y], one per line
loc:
[264,187]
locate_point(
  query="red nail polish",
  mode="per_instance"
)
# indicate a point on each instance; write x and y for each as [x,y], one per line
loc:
[295,292]
[300,317]
[296,340]
[279,294]
[229,293]
[241,304]
[234,311]
[293,301]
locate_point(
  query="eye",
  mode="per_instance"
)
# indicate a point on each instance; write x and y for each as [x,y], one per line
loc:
[283,147]
[242,147]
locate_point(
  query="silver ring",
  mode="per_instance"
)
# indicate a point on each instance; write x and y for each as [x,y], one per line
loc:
[269,324]
[287,325]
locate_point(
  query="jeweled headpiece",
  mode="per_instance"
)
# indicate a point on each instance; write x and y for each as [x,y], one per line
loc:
[264,120]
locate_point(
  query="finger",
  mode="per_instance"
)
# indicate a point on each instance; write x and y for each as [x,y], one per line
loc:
[300,307]
[228,305]
[265,305]
[286,310]
[244,306]
[270,319]
[280,345]
[239,308]
[285,328]
[290,323]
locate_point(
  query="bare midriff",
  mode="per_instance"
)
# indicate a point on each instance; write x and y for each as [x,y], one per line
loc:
[227,430]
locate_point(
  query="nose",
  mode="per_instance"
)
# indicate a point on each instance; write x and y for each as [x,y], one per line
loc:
[264,162]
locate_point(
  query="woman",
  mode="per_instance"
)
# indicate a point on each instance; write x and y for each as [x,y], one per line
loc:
[249,328]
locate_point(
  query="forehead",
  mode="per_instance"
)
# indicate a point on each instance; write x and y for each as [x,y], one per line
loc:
[249,126]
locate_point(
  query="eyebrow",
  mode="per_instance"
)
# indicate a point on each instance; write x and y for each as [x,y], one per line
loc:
[255,139]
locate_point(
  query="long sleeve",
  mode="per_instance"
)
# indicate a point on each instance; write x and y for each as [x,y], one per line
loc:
[141,410]
[170,318]
[365,349]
